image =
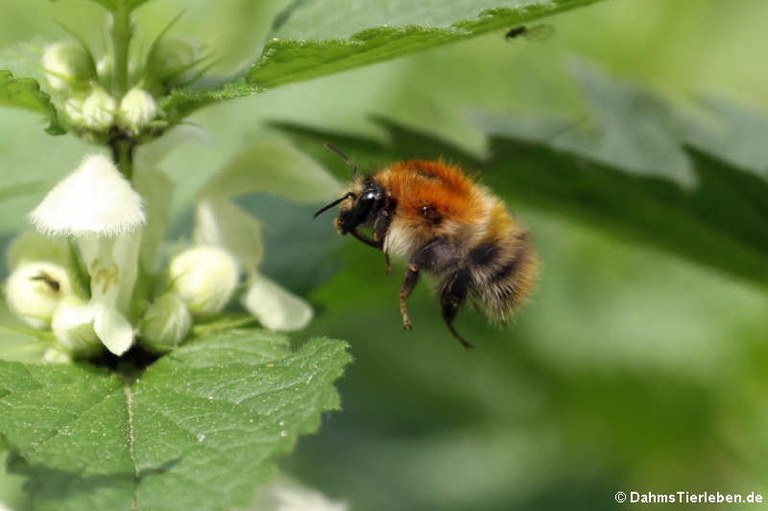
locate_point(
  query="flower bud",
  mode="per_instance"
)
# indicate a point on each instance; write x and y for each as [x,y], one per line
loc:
[204,278]
[171,62]
[166,323]
[137,109]
[98,110]
[34,289]
[68,65]
[72,326]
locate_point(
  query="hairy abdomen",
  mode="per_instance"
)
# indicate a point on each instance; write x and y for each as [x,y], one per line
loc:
[503,266]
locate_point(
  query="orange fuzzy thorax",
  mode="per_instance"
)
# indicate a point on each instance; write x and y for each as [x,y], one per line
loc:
[438,185]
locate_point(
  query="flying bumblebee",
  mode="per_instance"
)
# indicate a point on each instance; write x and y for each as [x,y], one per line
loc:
[441,221]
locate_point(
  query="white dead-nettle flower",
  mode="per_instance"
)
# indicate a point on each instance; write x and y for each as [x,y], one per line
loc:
[98,110]
[273,306]
[137,109]
[219,222]
[68,65]
[98,207]
[284,494]
[34,289]
[204,277]
[72,325]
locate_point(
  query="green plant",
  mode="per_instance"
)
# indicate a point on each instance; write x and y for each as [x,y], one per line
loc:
[162,397]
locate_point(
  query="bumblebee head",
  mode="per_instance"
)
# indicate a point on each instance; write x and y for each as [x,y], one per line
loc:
[358,206]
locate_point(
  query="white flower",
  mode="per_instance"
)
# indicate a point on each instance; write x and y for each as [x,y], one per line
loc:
[204,277]
[274,307]
[72,326]
[284,494]
[98,111]
[274,167]
[94,200]
[97,206]
[34,289]
[137,109]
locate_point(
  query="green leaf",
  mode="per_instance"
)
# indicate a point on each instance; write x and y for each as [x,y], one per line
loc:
[25,93]
[199,429]
[721,222]
[314,38]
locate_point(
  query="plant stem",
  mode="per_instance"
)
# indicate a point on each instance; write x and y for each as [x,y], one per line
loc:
[121,41]
[122,148]
[122,155]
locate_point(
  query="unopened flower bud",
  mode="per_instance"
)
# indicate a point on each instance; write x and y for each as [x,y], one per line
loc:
[98,110]
[68,66]
[72,326]
[204,278]
[166,323]
[34,290]
[137,109]
[171,61]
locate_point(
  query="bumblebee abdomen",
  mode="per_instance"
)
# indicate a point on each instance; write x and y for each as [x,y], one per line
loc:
[503,266]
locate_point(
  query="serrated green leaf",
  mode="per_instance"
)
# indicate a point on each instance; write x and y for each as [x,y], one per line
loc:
[314,38]
[198,430]
[722,222]
[25,93]
[180,103]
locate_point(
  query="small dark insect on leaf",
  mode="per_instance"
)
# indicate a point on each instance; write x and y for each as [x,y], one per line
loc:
[536,33]
[50,281]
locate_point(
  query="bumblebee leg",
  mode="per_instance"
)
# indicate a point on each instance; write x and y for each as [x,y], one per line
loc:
[436,255]
[365,239]
[452,297]
[409,282]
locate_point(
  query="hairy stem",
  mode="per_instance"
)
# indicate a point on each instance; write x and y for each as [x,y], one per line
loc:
[121,41]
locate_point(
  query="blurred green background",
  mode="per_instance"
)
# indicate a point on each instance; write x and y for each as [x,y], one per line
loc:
[630,370]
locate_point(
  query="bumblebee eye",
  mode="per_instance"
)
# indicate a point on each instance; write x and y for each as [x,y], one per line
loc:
[370,195]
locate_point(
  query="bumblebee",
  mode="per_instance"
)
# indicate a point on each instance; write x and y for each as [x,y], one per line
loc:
[442,222]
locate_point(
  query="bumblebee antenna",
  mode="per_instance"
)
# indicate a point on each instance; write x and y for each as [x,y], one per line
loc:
[352,165]
[332,204]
